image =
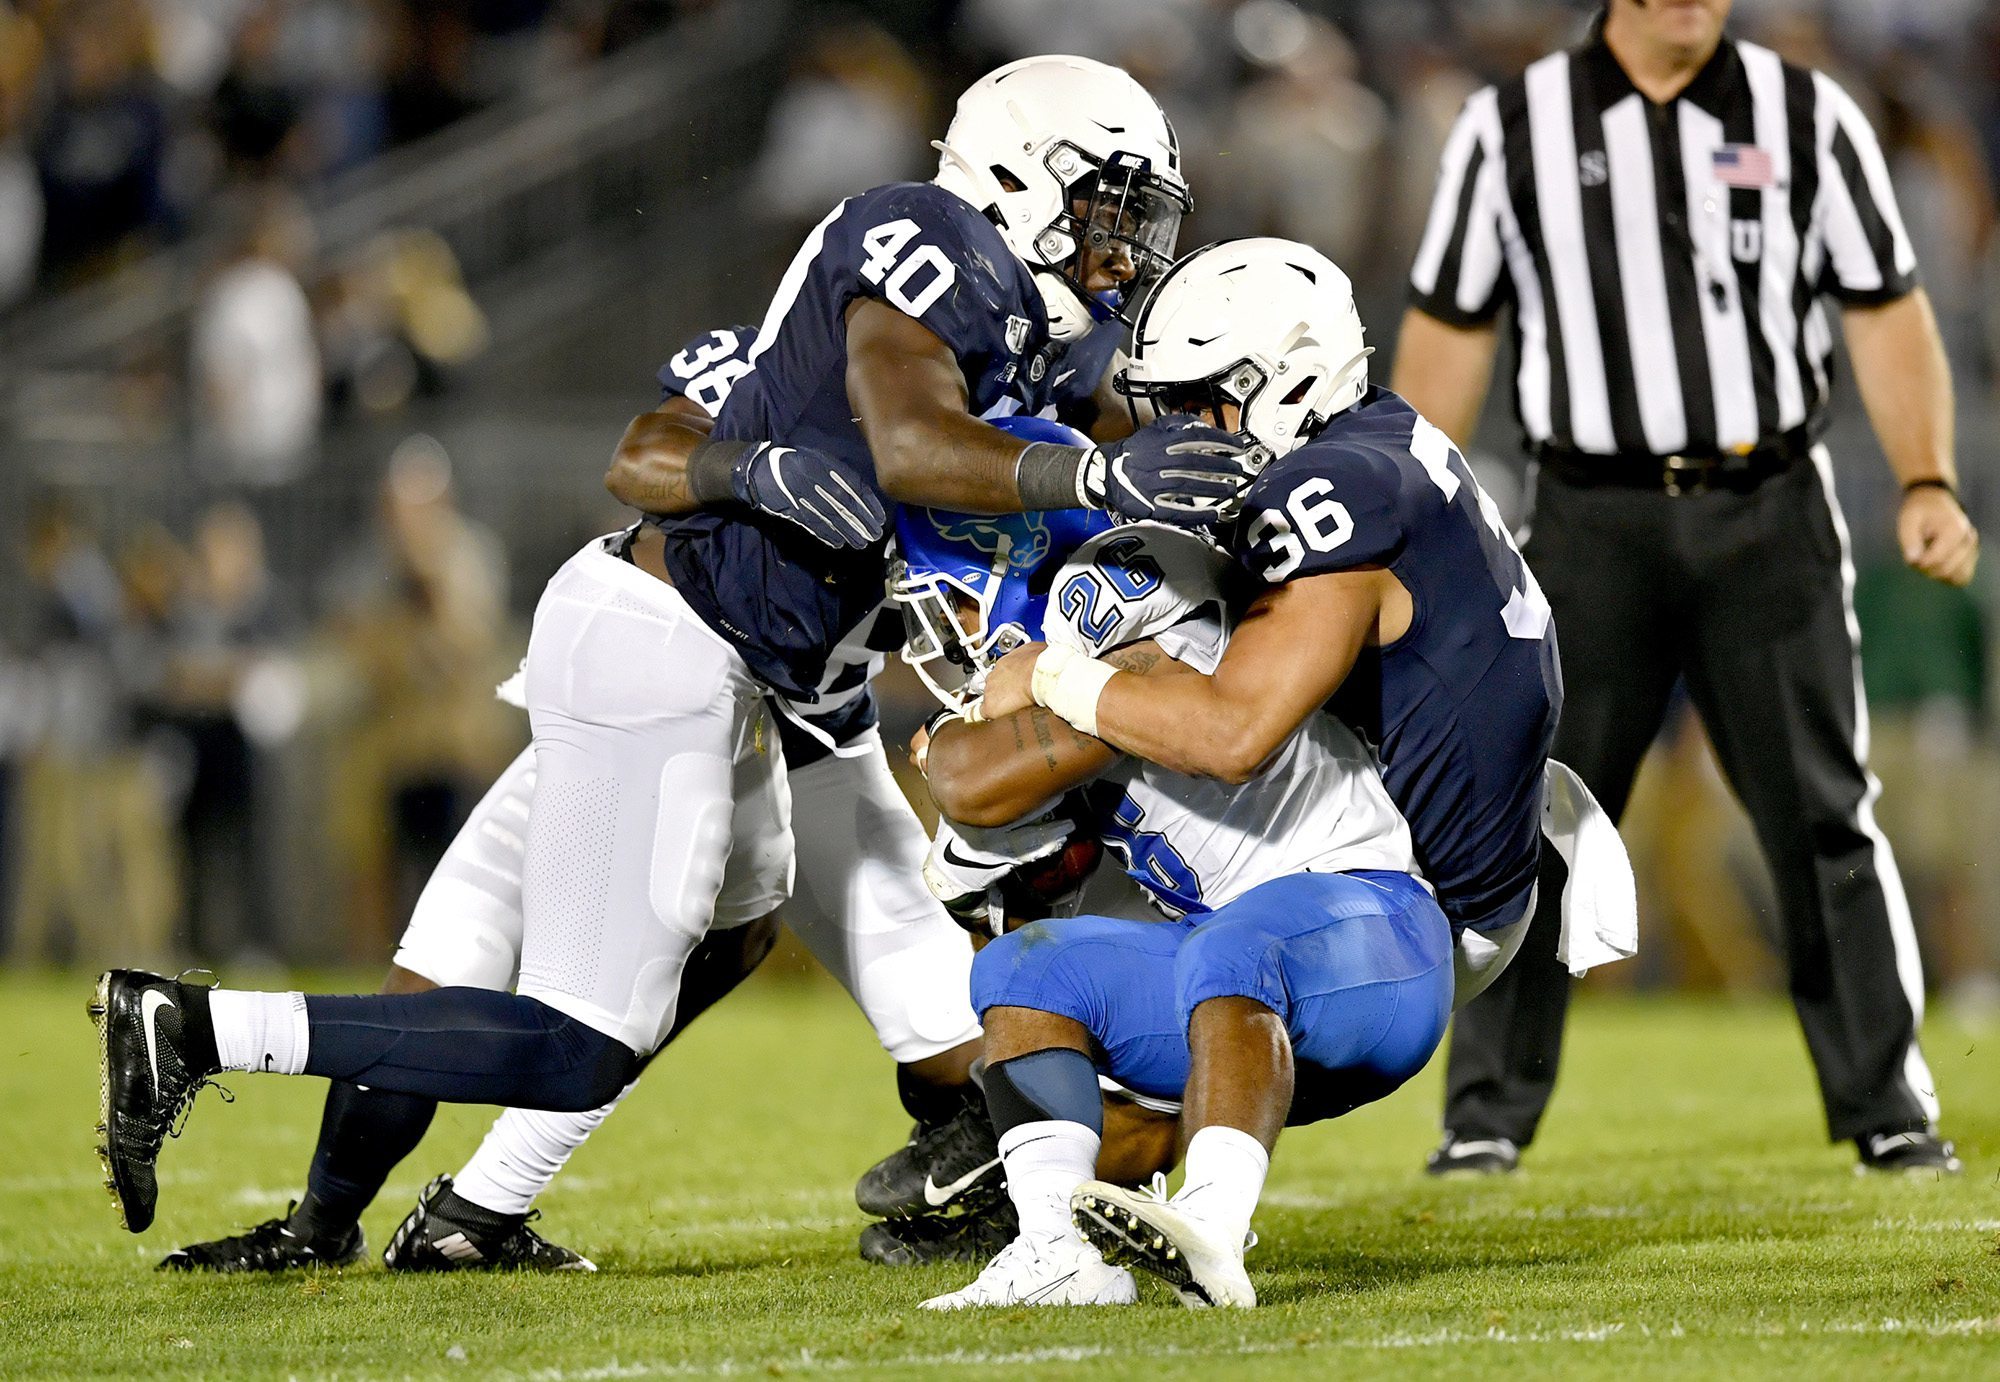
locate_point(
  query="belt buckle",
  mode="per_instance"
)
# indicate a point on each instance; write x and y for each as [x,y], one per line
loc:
[1681,475]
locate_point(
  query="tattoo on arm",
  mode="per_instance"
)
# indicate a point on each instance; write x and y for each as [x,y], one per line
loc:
[1139,658]
[1045,736]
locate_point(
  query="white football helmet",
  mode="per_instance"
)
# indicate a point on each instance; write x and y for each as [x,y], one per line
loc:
[1068,156]
[1268,325]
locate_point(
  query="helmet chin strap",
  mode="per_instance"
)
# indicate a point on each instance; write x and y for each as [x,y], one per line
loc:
[1070,318]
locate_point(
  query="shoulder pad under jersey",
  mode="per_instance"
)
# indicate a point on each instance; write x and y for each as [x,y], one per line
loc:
[707,368]
[1141,580]
[1333,504]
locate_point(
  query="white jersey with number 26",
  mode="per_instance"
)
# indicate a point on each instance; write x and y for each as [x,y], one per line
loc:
[1195,844]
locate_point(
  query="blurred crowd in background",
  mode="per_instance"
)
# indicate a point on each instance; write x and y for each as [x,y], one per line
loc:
[194,718]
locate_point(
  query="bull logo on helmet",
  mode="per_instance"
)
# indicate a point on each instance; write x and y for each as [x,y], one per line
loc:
[1026,536]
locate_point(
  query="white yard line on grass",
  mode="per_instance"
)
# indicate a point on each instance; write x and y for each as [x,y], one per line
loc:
[807,1361]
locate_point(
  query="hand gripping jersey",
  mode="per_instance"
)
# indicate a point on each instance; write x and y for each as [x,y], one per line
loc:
[1462,708]
[1196,844]
[783,600]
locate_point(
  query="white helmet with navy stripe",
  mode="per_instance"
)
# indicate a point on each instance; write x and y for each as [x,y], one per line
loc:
[1065,155]
[1267,325]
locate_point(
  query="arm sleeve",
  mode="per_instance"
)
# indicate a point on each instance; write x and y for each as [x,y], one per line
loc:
[1869,259]
[708,366]
[1460,271]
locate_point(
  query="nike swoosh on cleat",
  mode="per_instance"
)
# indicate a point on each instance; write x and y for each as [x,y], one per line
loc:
[937,1196]
[150,1003]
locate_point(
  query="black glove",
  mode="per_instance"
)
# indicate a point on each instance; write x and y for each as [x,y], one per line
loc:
[822,494]
[1176,469]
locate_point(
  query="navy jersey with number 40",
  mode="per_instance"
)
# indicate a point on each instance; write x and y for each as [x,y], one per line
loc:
[1461,708]
[783,600]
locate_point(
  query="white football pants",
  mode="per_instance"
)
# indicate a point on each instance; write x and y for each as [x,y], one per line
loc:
[860,906]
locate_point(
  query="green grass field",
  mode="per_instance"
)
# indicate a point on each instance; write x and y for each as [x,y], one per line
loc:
[1681,1216]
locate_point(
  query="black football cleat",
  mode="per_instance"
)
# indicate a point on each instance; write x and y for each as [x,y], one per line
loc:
[1474,1156]
[271,1246]
[445,1233]
[938,1167]
[923,1239]
[148,1075]
[1920,1153]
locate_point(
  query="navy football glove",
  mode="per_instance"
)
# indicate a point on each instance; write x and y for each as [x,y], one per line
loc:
[820,493]
[1176,469]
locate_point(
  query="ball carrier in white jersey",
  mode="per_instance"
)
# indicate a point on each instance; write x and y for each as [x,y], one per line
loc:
[1392,596]
[1294,891]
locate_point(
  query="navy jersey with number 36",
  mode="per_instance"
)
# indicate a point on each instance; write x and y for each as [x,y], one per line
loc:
[1462,707]
[781,598]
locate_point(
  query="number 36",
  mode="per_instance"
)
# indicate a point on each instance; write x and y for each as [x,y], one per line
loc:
[1309,519]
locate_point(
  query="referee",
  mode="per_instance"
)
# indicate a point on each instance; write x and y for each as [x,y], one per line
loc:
[1663,213]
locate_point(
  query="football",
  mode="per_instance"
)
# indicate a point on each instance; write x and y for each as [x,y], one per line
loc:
[1032,890]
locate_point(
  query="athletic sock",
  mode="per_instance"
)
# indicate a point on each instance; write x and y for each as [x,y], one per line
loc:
[1045,1162]
[934,1105]
[1225,1177]
[259,1031]
[363,1134]
[521,1154]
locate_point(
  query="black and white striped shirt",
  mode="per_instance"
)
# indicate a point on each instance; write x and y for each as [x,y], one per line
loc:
[1665,264]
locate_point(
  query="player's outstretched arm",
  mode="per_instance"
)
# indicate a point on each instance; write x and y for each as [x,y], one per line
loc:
[910,399]
[649,469]
[909,396]
[667,463]
[1292,650]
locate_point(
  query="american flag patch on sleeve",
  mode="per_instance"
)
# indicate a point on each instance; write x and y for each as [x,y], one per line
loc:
[1745,165]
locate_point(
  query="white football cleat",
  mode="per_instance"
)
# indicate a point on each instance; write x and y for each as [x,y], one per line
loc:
[1042,1270]
[1146,1229]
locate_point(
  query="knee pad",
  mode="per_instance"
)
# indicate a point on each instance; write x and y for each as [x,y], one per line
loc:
[462,936]
[918,997]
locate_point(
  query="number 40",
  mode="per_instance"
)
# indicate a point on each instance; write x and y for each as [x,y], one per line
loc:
[886,244]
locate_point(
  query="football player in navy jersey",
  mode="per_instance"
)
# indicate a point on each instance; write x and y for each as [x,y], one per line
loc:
[1394,596]
[859,905]
[661,811]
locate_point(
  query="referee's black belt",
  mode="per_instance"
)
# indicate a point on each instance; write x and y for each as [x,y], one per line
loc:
[1694,472]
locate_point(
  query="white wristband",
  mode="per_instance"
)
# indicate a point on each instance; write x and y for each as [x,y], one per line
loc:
[1069,683]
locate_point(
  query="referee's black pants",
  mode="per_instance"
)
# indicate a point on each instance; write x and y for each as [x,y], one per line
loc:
[1748,596]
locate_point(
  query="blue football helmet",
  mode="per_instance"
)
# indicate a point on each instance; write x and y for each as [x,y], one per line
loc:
[974,587]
